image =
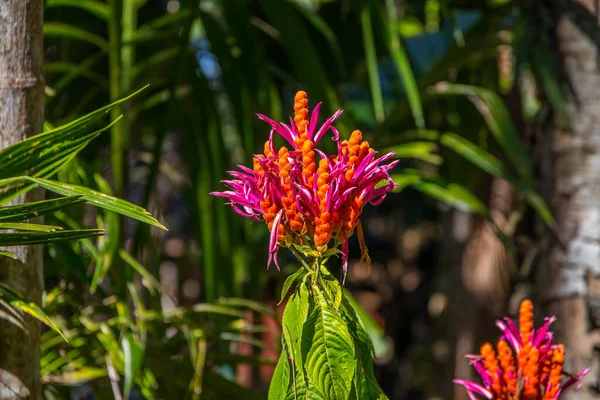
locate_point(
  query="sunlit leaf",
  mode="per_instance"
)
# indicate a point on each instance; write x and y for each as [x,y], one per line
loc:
[327,350]
[77,377]
[92,197]
[29,227]
[18,301]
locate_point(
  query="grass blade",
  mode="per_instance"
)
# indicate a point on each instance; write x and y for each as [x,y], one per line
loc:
[372,66]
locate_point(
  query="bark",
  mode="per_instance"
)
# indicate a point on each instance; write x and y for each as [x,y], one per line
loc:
[569,274]
[21,115]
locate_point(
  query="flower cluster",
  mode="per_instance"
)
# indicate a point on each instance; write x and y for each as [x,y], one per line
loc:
[531,370]
[308,198]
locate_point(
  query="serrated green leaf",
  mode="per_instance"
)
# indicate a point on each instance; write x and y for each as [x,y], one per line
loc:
[294,317]
[327,350]
[94,7]
[282,376]
[35,209]
[18,301]
[332,288]
[289,281]
[30,238]
[367,386]
[378,343]
[65,31]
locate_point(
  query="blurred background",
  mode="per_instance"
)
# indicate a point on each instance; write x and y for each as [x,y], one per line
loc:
[477,99]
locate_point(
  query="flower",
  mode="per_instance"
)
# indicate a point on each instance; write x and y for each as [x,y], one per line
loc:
[532,370]
[309,199]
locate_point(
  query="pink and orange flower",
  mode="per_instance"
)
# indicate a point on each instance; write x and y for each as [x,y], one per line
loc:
[531,370]
[308,198]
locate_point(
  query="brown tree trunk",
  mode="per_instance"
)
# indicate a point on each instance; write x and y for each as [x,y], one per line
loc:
[21,115]
[569,274]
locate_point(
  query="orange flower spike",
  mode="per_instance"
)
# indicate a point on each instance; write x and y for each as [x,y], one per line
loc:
[490,363]
[308,162]
[301,117]
[531,378]
[526,321]
[323,221]
[555,375]
[507,362]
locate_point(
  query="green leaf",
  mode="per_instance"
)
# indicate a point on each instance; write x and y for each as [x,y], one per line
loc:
[41,155]
[402,63]
[327,350]
[29,238]
[29,227]
[148,279]
[81,71]
[65,31]
[419,150]
[95,198]
[77,377]
[133,353]
[494,112]
[294,317]
[246,303]
[493,166]
[8,254]
[18,301]
[368,387]
[94,7]
[282,376]
[289,281]
[22,212]
[379,345]
[476,155]
[437,187]
[332,288]
[371,61]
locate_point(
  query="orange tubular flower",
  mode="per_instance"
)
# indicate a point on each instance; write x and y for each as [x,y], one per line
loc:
[302,204]
[532,370]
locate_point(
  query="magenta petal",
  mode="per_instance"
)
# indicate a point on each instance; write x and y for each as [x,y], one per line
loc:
[474,387]
[314,118]
[278,128]
[325,127]
[273,239]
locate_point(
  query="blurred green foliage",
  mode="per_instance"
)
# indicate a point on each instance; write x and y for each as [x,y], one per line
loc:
[427,79]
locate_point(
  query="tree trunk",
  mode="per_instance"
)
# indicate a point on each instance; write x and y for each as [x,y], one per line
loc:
[21,115]
[569,275]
